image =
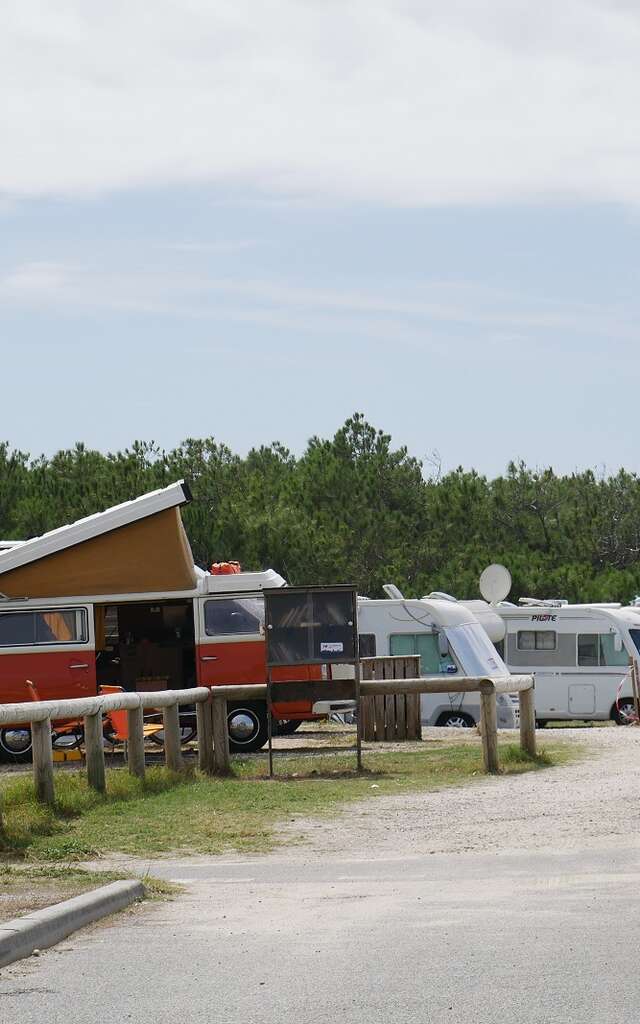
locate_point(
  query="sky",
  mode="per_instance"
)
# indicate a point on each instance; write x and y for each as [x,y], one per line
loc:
[249,220]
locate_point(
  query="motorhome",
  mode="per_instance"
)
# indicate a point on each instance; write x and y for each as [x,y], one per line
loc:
[580,656]
[449,639]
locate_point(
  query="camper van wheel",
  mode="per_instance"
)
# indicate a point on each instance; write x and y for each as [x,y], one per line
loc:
[15,745]
[624,712]
[247,724]
[456,720]
[286,726]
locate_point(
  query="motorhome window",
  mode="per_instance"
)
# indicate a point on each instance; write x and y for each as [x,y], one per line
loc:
[588,649]
[426,645]
[599,649]
[367,645]
[635,636]
[229,617]
[537,640]
[45,626]
[608,653]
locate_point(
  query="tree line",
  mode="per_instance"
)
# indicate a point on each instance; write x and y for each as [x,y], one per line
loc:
[355,509]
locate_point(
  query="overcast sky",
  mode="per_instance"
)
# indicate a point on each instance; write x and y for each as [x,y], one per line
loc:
[249,219]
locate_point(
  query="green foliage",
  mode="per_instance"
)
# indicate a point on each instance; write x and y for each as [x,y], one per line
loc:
[355,509]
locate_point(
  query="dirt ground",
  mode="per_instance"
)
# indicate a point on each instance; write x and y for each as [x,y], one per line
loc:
[590,802]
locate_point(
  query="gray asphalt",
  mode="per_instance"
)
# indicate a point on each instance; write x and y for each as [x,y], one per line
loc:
[467,938]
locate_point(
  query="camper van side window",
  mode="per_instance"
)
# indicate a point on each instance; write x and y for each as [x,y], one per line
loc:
[367,644]
[239,616]
[537,640]
[48,626]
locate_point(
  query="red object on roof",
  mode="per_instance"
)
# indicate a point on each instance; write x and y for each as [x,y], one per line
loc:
[225,568]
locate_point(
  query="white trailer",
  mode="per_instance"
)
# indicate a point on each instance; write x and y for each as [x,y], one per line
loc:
[449,639]
[580,654]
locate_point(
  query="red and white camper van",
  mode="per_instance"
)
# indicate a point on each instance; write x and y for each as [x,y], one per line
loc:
[139,636]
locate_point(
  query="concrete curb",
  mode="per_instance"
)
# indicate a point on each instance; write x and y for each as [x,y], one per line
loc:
[43,928]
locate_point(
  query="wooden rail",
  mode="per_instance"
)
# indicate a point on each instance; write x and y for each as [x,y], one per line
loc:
[211,713]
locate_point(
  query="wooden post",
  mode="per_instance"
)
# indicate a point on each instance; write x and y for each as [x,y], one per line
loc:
[43,761]
[221,760]
[94,747]
[528,721]
[489,719]
[172,738]
[205,736]
[635,690]
[135,727]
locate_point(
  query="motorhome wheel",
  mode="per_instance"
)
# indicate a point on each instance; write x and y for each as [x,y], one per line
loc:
[456,720]
[624,713]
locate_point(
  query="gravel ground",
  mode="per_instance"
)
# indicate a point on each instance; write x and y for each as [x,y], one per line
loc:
[589,803]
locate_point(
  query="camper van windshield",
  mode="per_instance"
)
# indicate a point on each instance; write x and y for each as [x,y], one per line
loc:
[635,636]
[475,652]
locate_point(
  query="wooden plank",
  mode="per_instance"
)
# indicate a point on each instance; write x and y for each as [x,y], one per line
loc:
[135,742]
[412,711]
[389,671]
[221,759]
[205,736]
[43,762]
[401,717]
[489,720]
[368,719]
[94,748]
[390,718]
[172,738]
[378,706]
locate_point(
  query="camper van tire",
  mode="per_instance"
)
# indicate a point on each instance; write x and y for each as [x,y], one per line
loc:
[456,720]
[247,724]
[624,712]
[286,726]
[15,745]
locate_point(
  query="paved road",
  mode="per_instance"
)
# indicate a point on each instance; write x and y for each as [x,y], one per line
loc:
[536,936]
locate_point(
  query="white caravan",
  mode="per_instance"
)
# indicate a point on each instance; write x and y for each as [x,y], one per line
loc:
[449,639]
[580,656]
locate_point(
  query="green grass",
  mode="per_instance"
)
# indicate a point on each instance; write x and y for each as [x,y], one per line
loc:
[196,814]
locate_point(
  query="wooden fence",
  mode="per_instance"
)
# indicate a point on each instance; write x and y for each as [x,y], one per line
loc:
[211,712]
[391,717]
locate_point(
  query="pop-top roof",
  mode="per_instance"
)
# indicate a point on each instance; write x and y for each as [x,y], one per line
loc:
[94,526]
[134,547]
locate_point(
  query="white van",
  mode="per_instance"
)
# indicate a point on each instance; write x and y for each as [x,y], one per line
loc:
[580,656]
[449,639]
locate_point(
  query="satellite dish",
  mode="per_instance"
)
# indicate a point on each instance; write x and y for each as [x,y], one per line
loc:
[495,583]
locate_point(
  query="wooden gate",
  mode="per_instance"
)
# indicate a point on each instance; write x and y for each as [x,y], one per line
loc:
[391,718]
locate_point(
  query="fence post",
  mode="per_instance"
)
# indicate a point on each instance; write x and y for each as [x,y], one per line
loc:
[528,721]
[221,761]
[94,746]
[172,737]
[489,720]
[135,750]
[205,736]
[43,761]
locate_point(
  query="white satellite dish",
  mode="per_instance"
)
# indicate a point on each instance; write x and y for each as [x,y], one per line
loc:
[495,583]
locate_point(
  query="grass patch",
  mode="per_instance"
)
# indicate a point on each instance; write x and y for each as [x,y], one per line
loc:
[192,813]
